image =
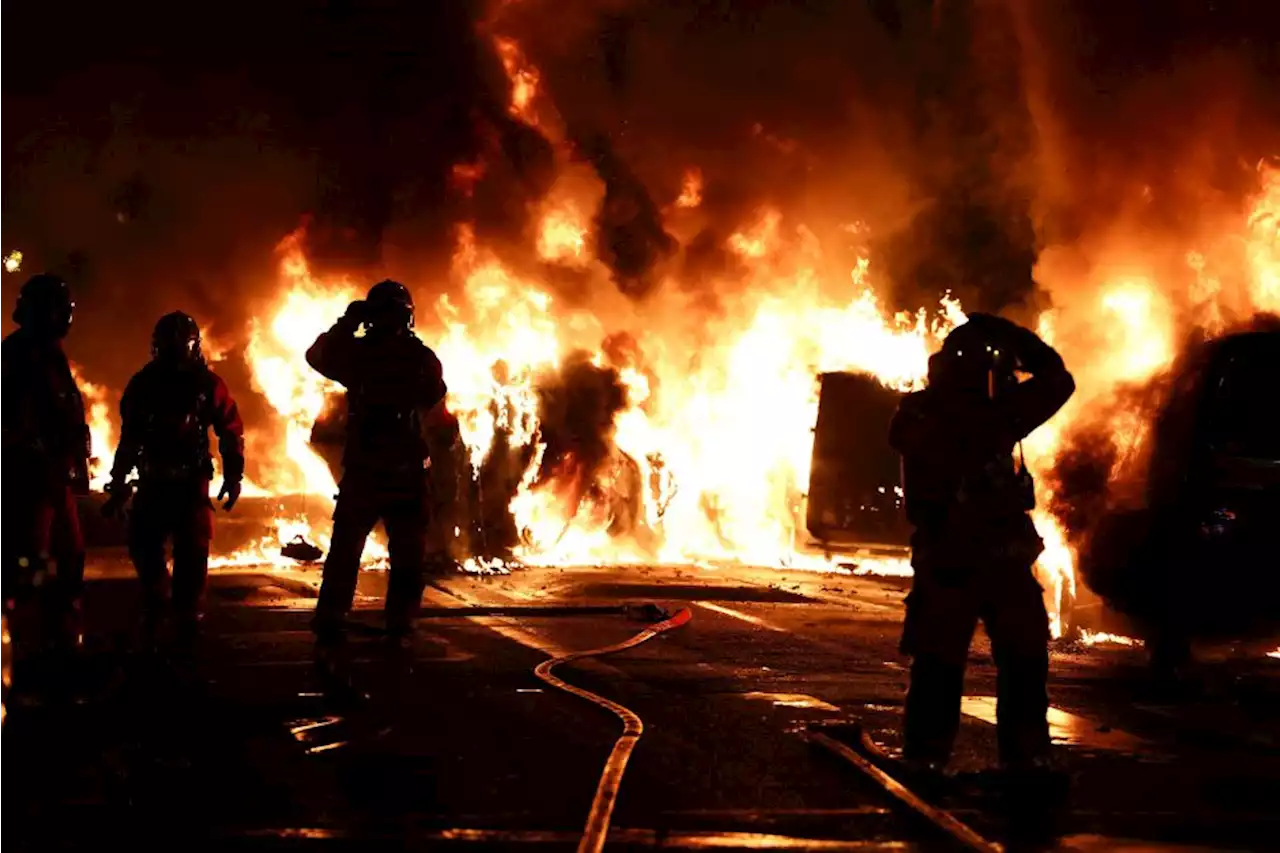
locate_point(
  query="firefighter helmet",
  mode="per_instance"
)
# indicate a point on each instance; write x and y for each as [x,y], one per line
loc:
[390,305]
[45,305]
[972,358]
[176,338]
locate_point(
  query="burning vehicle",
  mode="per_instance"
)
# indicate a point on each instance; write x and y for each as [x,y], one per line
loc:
[855,500]
[1211,503]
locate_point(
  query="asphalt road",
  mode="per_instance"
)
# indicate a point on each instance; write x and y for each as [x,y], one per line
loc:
[467,748]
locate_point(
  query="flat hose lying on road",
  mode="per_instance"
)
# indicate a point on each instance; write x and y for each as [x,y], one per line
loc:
[957,829]
[597,829]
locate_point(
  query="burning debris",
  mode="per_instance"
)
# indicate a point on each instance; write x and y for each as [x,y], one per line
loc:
[1099,638]
[299,549]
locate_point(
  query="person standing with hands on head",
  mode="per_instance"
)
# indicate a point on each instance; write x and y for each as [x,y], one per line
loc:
[392,380]
[969,497]
[166,412]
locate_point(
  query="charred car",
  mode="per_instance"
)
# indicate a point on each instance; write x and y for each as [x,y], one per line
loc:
[1202,557]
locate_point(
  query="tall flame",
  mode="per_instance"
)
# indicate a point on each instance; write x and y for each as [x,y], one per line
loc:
[102,431]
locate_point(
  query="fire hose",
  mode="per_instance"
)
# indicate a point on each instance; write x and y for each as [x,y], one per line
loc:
[597,828]
[959,831]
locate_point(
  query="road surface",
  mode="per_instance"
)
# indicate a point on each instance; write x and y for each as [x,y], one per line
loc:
[466,748]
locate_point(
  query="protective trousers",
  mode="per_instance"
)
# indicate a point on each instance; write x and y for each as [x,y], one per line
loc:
[943,610]
[179,510]
[44,557]
[402,507]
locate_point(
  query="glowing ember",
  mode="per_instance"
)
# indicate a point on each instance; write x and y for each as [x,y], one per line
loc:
[691,190]
[761,239]
[563,236]
[524,79]
[1099,638]
[13,261]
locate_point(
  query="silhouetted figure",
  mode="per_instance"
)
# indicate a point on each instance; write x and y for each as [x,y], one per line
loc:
[974,543]
[392,381]
[46,464]
[166,412]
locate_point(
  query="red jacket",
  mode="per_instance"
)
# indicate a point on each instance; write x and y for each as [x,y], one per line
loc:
[46,438]
[165,416]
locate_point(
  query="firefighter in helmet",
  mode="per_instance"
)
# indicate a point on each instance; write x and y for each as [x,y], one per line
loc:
[46,445]
[166,412]
[392,380]
[968,496]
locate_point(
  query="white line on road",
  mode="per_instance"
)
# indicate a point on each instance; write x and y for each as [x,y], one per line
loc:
[1065,728]
[743,617]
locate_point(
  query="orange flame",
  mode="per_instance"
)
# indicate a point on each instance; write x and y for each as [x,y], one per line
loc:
[691,190]
[524,79]
[102,430]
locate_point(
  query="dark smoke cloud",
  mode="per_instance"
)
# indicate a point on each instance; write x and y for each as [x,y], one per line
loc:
[576,408]
[577,404]
[629,236]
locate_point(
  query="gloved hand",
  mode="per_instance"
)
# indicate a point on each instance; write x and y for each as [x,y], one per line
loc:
[231,491]
[118,496]
[357,312]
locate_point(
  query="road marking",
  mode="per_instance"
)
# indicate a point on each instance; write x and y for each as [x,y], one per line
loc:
[1065,728]
[759,813]
[509,628]
[792,700]
[301,726]
[742,617]
[854,603]
[635,837]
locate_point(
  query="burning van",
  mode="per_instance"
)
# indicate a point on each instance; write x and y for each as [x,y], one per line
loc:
[855,484]
[1201,556]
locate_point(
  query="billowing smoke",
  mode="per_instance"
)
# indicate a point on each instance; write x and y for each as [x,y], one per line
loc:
[577,405]
[630,238]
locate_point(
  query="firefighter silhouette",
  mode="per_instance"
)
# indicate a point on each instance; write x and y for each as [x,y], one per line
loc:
[166,412]
[46,451]
[392,380]
[974,544]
